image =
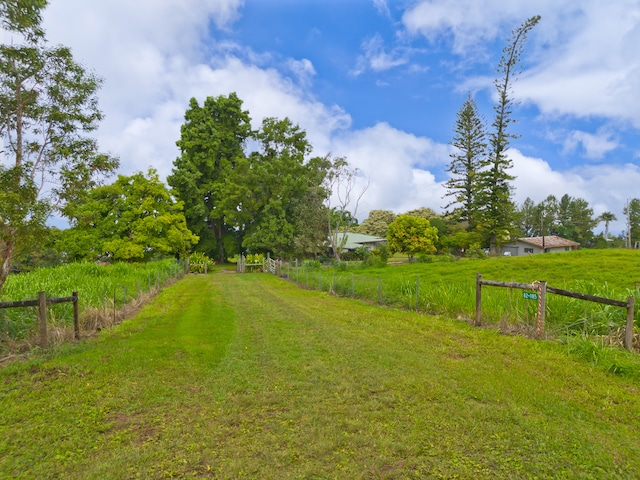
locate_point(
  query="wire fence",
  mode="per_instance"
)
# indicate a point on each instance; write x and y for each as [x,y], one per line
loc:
[106,296]
[505,308]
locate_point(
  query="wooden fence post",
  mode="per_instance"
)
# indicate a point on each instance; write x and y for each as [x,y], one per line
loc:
[353,286]
[76,316]
[42,316]
[478,299]
[542,306]
[628,332]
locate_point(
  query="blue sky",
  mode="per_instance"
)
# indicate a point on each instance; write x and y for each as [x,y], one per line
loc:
[377,81]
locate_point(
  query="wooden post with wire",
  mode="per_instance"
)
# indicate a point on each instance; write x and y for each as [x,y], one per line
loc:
[477,321]
[542,306]
[42,317]
[628,332]
[76,316]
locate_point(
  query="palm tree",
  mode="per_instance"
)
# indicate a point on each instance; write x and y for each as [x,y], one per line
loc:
[607,217]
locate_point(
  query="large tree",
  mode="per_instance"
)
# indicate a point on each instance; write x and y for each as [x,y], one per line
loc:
[495,181]
[277,180]
[48,105]
[575,220]
[632,212]
[133,219]
[412,235]
[528,219]
[310,226]
[377,223]
[467,162]
[212,142]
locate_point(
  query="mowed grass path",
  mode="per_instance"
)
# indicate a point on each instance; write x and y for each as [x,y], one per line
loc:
[245,376]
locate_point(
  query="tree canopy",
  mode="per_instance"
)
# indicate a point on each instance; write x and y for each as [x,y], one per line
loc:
[467,162]
[377,223]
[412,235]
[569,217]
[212,141]
[48,105]
[268,200]
[133,219]
[632,212]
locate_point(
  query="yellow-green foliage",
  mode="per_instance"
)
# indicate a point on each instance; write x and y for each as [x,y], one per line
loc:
[412,235]
[255,259]
[199,262]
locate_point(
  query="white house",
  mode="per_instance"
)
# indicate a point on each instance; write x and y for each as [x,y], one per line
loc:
[534,245]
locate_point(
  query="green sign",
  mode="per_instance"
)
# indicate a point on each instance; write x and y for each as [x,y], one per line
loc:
[529,295]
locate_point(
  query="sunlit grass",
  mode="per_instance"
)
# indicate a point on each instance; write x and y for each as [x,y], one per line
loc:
[245,376]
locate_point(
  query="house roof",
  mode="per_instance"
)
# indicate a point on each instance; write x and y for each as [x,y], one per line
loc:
[355,240]
[550,241]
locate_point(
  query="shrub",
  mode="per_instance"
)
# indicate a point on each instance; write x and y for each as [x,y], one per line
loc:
[199,262]
[256,260]
[312,264]
[476,251]
[379,256]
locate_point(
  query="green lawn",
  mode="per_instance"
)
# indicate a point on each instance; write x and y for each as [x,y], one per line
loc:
[245,376]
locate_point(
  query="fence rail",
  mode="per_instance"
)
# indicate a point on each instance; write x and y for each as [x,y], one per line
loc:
[41,302]
[455,299]
[543,289]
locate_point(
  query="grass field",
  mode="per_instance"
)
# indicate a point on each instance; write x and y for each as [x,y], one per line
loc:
[246,376]
[99,287]
[448,287]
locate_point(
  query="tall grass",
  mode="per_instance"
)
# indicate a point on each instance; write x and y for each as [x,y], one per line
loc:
[98,286]
[448,288]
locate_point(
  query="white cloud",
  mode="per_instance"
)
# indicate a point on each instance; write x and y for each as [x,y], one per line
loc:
[581,58]
[382,7]
[469,23]
[595,70]
[135,46]
[595,146]
[397,165]
[302,69]
[604,187]
[377,59]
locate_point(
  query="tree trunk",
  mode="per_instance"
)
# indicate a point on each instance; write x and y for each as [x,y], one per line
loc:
[6,254]
[218,232]
[493,246]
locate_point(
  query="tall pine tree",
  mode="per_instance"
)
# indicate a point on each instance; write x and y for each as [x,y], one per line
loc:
[467,162]
[495,181]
